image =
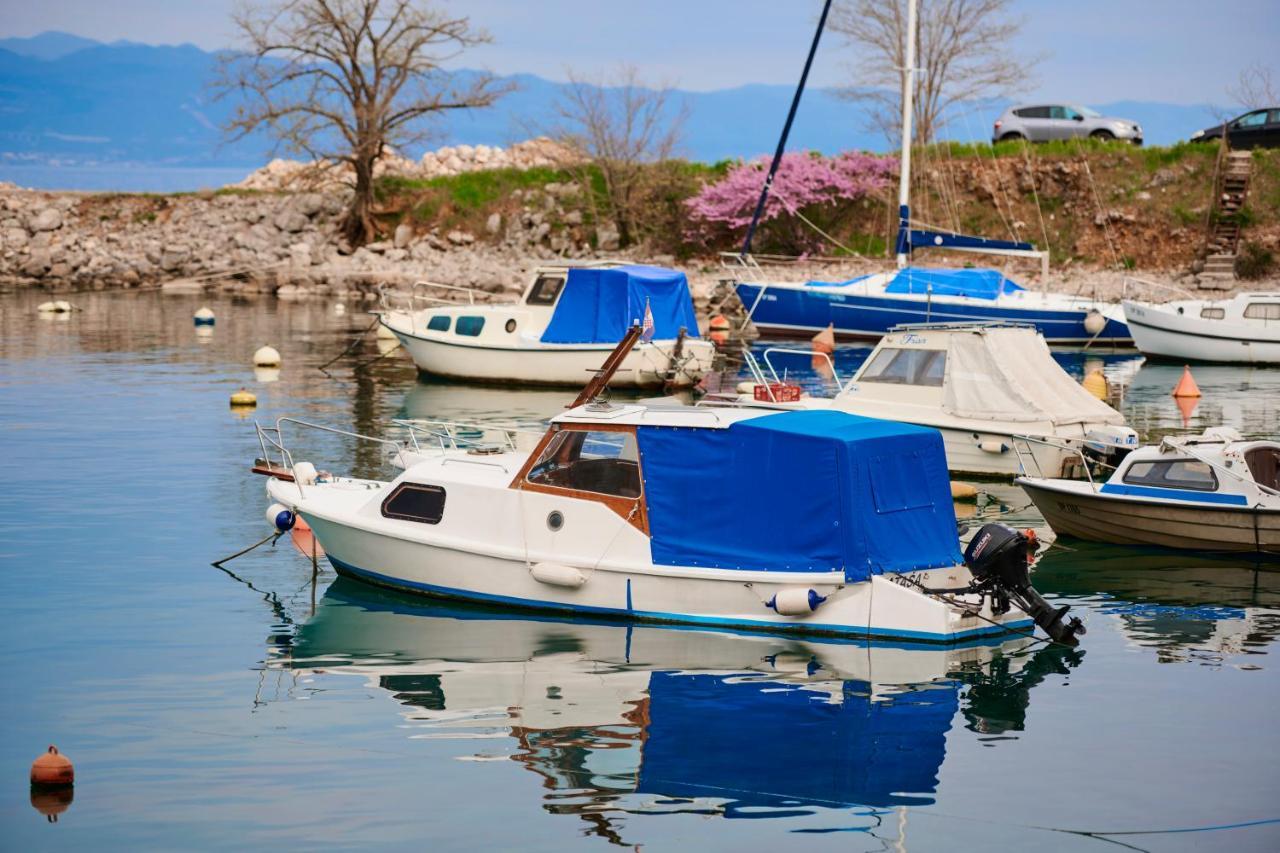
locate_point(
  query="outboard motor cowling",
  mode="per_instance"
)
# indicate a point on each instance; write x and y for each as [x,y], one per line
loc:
[998,556]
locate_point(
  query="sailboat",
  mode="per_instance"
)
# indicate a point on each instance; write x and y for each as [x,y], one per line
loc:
[869,305]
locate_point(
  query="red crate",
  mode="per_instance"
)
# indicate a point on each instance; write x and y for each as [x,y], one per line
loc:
[777,392]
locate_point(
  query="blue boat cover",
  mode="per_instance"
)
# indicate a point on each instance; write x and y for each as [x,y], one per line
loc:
[760,743]
[978,284]
[800,492]
[599,305]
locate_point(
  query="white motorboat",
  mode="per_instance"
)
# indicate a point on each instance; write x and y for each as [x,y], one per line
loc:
[819,523]
[985,387]
[567,321]
[1244,328]
[1212,492]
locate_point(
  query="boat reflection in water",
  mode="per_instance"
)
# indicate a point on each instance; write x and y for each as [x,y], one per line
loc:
[1186,606]
[690,720]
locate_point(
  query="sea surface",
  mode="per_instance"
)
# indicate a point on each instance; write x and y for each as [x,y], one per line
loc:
[262,705]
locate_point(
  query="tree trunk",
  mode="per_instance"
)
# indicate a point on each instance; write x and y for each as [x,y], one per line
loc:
[357,227]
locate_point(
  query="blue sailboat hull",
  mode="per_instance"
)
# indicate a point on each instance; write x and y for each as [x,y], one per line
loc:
[794,311]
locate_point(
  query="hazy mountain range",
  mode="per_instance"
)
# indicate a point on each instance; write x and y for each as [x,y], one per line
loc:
[69,99]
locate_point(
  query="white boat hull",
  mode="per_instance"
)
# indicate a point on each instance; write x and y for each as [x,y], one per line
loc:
[1074,509]
[1161,333]
[879,608]
[647,366]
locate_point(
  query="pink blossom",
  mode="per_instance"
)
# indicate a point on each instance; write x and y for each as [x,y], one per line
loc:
[817,186]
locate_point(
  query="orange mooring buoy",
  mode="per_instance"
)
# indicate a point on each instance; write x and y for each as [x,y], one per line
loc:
[825,341]
[1186,386]
[52,770]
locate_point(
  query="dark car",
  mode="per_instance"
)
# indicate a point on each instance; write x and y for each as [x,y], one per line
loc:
[1254,129]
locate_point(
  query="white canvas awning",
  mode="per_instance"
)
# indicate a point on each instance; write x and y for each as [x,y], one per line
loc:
[1008,374]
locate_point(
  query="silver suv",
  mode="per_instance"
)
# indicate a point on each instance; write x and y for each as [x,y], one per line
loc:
[1062,121]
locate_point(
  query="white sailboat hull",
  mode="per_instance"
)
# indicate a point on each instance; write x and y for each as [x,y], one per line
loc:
[1160,332]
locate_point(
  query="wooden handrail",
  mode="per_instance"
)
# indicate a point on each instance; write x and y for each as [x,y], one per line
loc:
[610,367]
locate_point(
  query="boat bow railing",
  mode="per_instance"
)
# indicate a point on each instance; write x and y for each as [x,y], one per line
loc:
[418,298]
[812,353]
[1025,451]
[443,436]
[1146,282]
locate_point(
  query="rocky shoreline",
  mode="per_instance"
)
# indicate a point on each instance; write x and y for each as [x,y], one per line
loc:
[286,243]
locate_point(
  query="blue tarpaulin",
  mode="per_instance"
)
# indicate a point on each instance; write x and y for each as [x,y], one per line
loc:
[797,492]
[599,305]
[762,743]
[979,284]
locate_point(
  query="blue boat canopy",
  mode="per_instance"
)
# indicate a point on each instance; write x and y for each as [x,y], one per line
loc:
[975,283]
[598,305]
[800,492]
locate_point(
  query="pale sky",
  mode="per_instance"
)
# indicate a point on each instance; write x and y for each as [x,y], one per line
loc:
[1175,51]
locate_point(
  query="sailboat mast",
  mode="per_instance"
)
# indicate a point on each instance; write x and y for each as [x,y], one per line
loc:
[908,98]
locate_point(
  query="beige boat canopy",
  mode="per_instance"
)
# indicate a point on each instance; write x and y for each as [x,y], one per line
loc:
[1008,374]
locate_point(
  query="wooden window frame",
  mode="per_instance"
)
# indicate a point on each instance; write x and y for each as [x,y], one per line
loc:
[634,510]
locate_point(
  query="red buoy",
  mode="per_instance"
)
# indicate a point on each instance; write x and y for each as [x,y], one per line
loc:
[52,770]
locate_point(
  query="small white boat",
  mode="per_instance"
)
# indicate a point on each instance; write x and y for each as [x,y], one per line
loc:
[1212,492]
[985,387]
[567,321]
[819,523]
[1244,328]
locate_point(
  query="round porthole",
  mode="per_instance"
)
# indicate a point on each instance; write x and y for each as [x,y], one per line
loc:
[555,520]
[511,325]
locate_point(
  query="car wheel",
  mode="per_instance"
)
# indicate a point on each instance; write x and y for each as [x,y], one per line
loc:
[1102,135]
[1010,137]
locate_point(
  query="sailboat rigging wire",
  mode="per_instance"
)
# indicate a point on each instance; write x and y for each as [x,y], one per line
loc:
[1097,201]
[786,130]
[1035,193]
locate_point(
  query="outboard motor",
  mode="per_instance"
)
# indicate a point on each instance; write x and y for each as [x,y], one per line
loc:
[998,557]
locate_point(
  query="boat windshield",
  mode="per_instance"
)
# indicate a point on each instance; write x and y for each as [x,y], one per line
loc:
[599,461]
[1173,474]
[900,366]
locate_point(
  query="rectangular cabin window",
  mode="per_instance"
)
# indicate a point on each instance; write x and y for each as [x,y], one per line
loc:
[415,502]
[606,463]
[439,323]
[898,366]
[469,326]
[545,290]
[1173,474]
[1262,311]
[1213,313]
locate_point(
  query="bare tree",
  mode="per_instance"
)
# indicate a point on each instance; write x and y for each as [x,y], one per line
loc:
[342,80]
[964,54]
[1255,88]
[619,126]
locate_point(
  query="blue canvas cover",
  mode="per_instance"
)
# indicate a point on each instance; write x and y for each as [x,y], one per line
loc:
[599,305]
[762,743]
[979,284]
[800,492]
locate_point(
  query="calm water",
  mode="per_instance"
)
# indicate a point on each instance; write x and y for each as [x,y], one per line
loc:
[210,709]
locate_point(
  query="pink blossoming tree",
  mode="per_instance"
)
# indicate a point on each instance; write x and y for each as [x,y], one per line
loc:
[823,190]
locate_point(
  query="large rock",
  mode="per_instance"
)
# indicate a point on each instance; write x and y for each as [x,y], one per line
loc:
[290,221]
[607,238]
[403,236]
[49,219]
[13,238]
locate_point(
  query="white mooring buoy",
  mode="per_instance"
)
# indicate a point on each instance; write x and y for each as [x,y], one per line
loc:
[266,357]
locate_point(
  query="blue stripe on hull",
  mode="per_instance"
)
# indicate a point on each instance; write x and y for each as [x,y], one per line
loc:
[790,309]
[816,629]
[1174,494]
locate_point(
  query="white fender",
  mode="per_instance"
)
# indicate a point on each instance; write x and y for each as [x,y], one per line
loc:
[304,473]
[796,601]
[557,574]
[993,446]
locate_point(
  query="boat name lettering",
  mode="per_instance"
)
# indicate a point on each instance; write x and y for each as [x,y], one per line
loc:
[910,338]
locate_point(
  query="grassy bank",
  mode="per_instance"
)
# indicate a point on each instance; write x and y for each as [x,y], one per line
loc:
[1087,202]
